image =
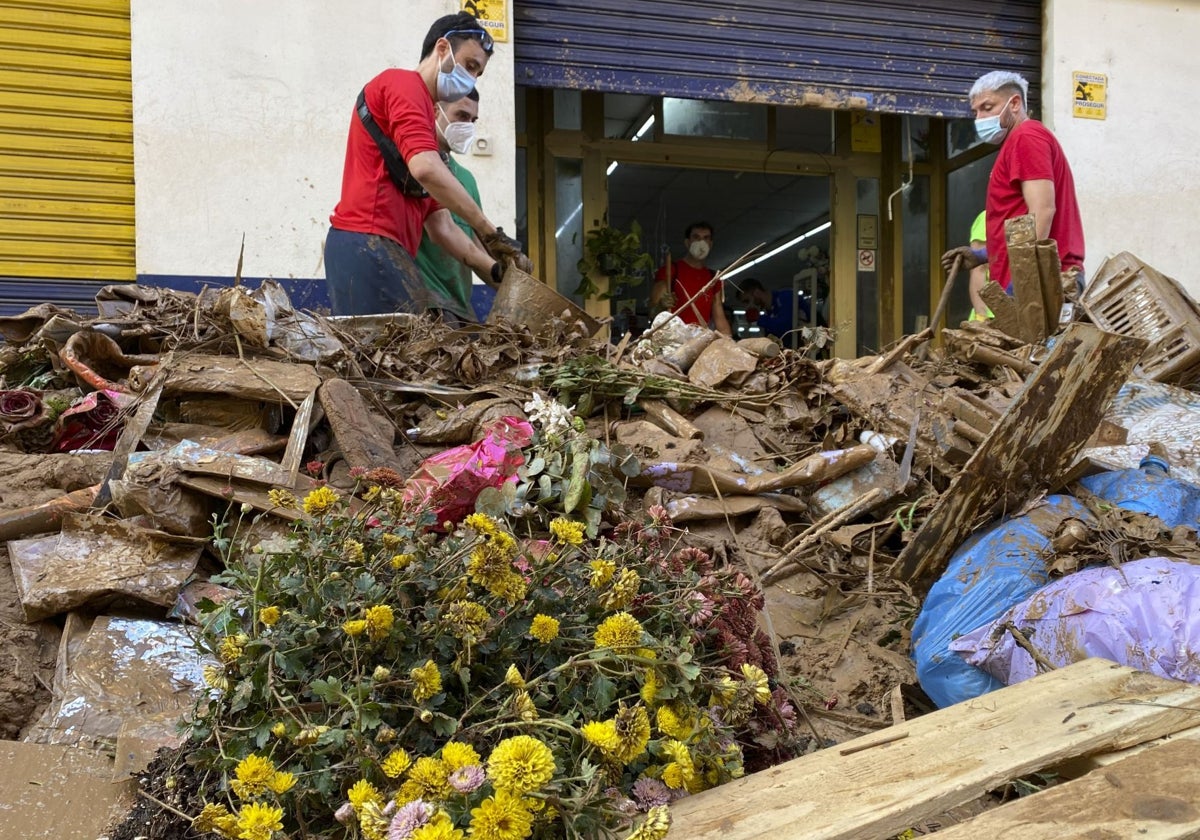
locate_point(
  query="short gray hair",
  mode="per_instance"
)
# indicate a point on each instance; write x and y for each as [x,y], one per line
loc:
[997,80]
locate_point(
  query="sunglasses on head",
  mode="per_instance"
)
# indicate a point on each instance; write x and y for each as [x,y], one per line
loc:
[482,35]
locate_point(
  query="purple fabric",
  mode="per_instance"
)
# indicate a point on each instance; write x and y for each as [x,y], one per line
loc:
[1142,614]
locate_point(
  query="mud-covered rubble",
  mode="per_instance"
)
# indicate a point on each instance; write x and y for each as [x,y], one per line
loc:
[819,477]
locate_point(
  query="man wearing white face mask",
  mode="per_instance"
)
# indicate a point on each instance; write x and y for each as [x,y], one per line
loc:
[687,286]
[446,278]
[395,184]
[1031,175]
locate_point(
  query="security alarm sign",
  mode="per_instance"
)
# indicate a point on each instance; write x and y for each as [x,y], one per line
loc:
[866,260]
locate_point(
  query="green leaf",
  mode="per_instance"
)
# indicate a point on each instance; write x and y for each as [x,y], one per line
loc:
[602,692]
[329,690]
[491,502]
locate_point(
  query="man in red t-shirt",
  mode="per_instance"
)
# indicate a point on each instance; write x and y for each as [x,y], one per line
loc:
[376,227]
[687,287]
[1030,176]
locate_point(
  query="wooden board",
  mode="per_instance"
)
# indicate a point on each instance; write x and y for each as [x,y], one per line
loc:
[356,428]
[1033,445]
[1154,795]
[879,785]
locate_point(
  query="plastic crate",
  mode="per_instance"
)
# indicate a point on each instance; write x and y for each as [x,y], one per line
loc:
[1131,298]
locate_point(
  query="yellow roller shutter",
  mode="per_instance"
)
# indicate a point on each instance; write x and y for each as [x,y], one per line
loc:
[66,140]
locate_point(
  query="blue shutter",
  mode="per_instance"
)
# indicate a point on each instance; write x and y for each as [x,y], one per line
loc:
[915,57]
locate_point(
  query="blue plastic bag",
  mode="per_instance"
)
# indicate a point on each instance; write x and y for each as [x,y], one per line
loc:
[1149,489]
[994,570]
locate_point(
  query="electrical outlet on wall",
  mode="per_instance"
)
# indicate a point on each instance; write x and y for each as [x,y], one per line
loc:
[482,145]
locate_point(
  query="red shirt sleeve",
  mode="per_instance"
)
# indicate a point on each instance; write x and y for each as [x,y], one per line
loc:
[401,105]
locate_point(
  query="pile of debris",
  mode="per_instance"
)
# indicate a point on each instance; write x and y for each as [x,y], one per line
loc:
[841,488]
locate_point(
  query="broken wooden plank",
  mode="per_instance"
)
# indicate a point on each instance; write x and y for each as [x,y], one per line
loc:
[294,453]
[130,437]
[1004,310]
[1034,444]
[1151,795]
[1050,270]
[355,427]
[251,379]
[256,495]
[943,759]
[1027,289]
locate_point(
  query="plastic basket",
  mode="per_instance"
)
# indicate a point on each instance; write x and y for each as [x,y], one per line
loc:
[1131,298]
[523,299]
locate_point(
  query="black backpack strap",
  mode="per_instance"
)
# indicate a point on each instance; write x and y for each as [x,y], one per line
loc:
[392,160]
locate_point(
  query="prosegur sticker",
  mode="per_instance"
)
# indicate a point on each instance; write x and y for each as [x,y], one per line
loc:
[492,16]
[1091,95]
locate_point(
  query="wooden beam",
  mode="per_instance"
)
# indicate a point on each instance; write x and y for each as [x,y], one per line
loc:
[1032,446]
[882,783]
[1152,795]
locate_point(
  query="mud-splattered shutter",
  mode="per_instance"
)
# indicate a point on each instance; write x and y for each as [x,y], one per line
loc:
[914,57]
[66,144]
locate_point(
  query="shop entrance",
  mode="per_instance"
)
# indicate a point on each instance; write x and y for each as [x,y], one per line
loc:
[866,191]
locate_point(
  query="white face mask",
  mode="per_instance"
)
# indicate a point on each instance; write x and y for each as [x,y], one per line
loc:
[699,249]
[459,136]
[455,83]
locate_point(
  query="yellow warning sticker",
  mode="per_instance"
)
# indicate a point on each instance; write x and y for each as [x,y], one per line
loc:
[492,14]
[1091,95]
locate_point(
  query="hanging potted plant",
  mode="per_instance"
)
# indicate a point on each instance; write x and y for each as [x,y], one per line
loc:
[617,255]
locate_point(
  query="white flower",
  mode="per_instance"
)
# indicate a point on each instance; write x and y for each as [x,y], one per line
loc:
[553,417]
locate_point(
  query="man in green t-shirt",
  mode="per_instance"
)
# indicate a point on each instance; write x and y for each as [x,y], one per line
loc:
[447,280]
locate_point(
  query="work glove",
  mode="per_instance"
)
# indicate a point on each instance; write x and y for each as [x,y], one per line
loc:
[497,272]
[504,249]
[970,259]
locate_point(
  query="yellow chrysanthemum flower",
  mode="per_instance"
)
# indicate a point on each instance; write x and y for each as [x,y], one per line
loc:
[655,826]
[373,821]
[602,573]
[391,541]
[466,619]
[270,615]
[723,691]
[281,498]
[379,621]
[395,764]
[650,687]
[439,827]
[759,685]
[566,531]
[214,677]
[623,591]
[601,734]
[428,779]
[309,735]
[501,817]
[544,628]
[680,772]
[320,501]
[482,524]
[208,817]
[458,755]
[231,647]
[513,678]
[674,721]
[253,773]
[279,729]
[427,681]
[354,627]
[402,561]
[632,725]
[352,551]
[619,631]
[362,792]
[520,764]
[281,782]
[523,706]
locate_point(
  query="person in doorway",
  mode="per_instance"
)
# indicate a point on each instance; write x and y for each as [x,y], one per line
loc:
[771,311]
[688,287]
[395,184]
[447,278]
[978,277]
[1031,175]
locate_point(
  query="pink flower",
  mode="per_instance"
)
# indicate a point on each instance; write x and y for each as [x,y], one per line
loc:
[409,818]
[467,779]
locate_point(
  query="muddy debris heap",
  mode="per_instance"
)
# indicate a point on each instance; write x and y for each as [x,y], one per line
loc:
[840,488]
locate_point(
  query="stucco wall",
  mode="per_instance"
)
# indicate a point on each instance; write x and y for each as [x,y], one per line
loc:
[240,118]
[1137,173]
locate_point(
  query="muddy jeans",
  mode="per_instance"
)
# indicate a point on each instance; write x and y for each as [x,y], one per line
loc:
[368,274]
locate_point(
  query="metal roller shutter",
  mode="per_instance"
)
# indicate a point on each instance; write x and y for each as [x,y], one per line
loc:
[915,57]
[66,141]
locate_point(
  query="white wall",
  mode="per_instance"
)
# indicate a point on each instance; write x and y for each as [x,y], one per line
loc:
[1137,173]
[240,118]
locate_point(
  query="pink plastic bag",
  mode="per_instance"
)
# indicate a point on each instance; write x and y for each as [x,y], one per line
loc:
[448,483]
